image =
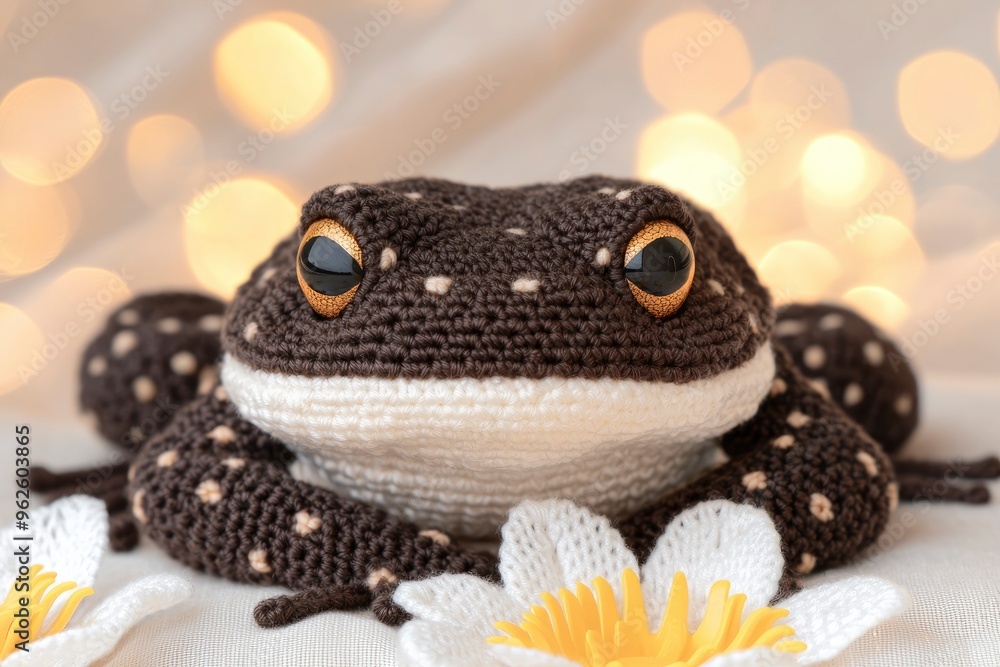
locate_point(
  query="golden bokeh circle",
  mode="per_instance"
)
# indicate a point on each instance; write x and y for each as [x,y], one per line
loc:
[165,156]
[35,224]
[799,271]
[23,345]
[882,306]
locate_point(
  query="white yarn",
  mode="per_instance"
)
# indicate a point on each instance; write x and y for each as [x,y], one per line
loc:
[457,454]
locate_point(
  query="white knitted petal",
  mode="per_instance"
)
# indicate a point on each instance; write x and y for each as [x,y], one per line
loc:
[434,644]
[758,657]
[96,633]
[830,617]
[552,544]
[458,599]
[70,537]
[526,657]
[714,540]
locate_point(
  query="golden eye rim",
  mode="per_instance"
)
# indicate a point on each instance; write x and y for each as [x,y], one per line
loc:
[668,304]
[324,304]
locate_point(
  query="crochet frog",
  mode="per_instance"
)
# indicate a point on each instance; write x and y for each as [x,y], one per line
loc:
[420,355]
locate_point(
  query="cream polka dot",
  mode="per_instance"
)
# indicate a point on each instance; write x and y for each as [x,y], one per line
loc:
[516,231]
[222,434]
[798,419]
[892,490]
[754,324]
[250,331]
[820,387]
[167,458]
[603,257]
[183,363]
[821,507]
[258,561]
[128,317]
[124,342]
[136,435]
[234,462]
[904,405]
[266,275]
[853,393]
[168,325]
[381,575]
[437,536]
[831,321]
[814,357]
[525,285]
[209,492]
[341,189]
[778,387]
[413,195]
[97,366]
[755,481]
[716,286]
[207,379]
[388,258]
[221,394]
[623,195]
[144,389]
[868,461]
[606,191]
[874,352]
[130,475]
[306,523]
[784,441]
[459,207]
[807,563]
[786,328]
[210,323]
[138,511]
[437,284]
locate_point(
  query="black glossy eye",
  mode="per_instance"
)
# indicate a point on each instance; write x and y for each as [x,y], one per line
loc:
[329,267]
[662,267]
[659,267]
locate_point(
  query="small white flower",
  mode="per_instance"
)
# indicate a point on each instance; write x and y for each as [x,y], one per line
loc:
[70,537]
[552,548]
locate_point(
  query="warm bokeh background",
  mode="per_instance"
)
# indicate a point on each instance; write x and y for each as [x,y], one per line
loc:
[851,147]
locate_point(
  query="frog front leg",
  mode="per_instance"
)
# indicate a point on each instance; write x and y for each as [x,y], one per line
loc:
[826,483]
[215,492]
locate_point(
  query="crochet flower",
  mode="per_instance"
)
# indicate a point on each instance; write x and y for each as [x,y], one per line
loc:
[70,624]
[572,595]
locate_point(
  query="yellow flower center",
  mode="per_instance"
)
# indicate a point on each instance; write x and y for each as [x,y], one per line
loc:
[22,621]
[588,627]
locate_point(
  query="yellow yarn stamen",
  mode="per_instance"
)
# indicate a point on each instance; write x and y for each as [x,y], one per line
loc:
[41,596]
[588,627]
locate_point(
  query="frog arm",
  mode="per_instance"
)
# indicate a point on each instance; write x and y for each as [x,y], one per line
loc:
[826,483]
[216,493]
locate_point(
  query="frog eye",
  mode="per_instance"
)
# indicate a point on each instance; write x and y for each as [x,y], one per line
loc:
[659,267]
[329,267]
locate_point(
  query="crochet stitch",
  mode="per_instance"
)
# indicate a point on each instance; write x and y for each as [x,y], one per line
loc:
[494,350]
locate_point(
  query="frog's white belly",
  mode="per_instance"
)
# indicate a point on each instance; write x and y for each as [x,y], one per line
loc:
[455,455]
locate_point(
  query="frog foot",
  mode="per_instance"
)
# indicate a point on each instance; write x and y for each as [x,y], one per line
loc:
[942,481]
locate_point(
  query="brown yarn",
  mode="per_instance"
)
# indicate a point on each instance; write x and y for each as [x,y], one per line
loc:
[284,610]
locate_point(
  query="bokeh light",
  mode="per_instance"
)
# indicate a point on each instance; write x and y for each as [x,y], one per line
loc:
[799,271]
[697,156]
[878,304]
[77,303]
[231,228]
[272,75]
[806,92]
[49,130]
[21,340]
[165,157]
[835,169]
[950,102]
[956,217]
[889,254]
[35,224]
[695,61]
